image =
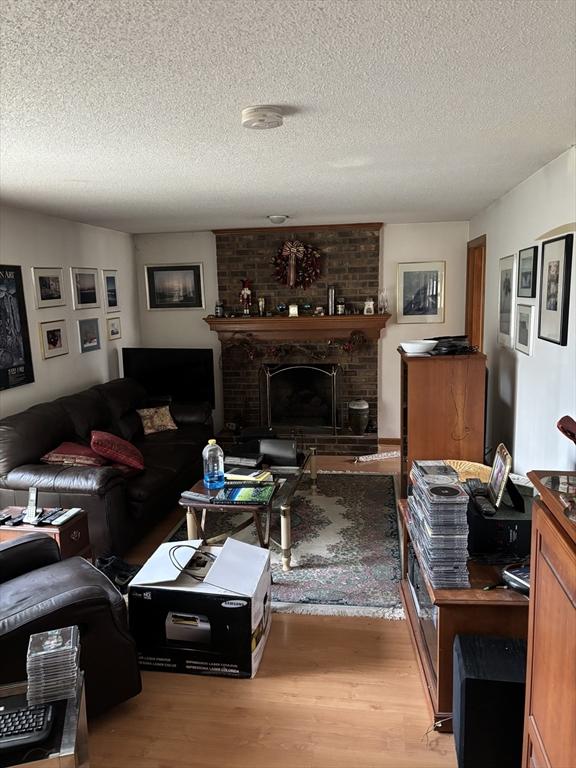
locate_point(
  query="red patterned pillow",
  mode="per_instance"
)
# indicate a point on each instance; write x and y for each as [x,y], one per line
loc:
[116,449]
[74,454]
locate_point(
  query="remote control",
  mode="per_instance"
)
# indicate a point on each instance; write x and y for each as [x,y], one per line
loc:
[51,514]
[18,520]
[191,496]
[5,516]
[65,516]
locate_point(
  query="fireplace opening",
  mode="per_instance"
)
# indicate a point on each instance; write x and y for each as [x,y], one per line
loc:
[302,397]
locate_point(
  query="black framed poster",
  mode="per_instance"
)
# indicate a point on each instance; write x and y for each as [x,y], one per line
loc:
[15,355]
[555,289]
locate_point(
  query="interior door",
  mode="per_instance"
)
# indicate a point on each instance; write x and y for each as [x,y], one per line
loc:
[475,276]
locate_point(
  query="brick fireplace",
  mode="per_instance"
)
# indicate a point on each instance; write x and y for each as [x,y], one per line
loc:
[350,262]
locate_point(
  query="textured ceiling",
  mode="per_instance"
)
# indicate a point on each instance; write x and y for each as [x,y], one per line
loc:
[126,113]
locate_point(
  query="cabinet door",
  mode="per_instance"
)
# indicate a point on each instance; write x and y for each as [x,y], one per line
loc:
[551,706]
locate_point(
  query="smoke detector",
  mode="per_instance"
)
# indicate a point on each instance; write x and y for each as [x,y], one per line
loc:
[261,117]
[278,218]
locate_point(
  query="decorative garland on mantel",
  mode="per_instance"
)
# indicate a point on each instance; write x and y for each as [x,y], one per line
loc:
[253,348]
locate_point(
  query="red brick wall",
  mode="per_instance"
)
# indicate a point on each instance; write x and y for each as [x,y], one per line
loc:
[350,261]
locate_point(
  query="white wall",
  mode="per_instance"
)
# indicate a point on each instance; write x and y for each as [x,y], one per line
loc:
[527,395]
[444,241]
[181,327]
[34,240]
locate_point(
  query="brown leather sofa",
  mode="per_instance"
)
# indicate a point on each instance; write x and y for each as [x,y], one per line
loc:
[120,508]
[40,592]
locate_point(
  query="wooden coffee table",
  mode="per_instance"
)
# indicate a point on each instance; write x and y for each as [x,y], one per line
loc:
[286,479]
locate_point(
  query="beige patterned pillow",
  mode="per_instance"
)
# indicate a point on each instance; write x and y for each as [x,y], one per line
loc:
[156,419]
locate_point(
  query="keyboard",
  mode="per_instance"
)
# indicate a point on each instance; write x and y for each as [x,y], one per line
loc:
[25,727]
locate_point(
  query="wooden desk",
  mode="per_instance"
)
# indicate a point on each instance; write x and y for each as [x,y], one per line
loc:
[436,616]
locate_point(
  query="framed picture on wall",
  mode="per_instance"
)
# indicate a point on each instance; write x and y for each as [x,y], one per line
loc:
[85,289]
[555,270]
[54,339]
[15,354]
[506,301]
[527,268]
[89,333]
[49,286]
[114,328]
[174,286]
[420,292]
[111,298]
[524,328]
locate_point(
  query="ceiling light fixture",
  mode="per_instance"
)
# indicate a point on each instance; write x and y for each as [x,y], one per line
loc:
[261,117]
[278,218]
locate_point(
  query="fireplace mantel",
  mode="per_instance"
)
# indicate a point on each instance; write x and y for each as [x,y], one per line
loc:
[304,328]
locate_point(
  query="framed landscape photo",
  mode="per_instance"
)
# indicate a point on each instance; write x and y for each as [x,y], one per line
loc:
[15,354]
[505,302]
[555,270]
[527,268]
[49,286]
[524,328]
[175,286]
[89,333]
[114,328]
[85,289]
[420,292]
[111,298]
[54,339]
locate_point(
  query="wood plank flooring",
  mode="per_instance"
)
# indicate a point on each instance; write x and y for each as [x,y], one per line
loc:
[331,692]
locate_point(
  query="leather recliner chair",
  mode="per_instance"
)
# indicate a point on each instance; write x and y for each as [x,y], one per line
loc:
[39,592]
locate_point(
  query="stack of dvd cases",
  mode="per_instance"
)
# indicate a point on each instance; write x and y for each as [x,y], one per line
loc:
[439,525]
[52,664]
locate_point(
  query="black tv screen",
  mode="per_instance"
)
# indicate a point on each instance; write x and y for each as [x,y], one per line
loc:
[186,375]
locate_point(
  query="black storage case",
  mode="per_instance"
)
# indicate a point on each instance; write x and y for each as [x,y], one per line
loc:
[488,701]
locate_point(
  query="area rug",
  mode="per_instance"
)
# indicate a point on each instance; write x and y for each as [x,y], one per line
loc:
[345,552]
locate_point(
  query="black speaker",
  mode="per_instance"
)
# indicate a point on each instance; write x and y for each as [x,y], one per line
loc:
[488,701]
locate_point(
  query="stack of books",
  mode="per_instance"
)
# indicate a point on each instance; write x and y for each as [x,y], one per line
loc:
[439,526]
[245,460]
[248,475]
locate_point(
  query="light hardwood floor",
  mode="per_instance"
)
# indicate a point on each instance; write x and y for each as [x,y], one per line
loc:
[331,693]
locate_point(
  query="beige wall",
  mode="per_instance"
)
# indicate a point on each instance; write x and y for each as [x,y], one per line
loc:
[444,241]
[180,327]
[528,394]
[34,240]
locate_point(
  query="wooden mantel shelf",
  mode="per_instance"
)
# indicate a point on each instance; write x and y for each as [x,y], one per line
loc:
[308,328]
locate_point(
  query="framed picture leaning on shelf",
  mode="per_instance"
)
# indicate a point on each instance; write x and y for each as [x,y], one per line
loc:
[420,292]
[555,270]
[507,282]
[174,286]
[527,268]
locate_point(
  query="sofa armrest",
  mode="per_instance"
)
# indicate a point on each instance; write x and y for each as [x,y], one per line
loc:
[59,478]
[191,413]
[25,554]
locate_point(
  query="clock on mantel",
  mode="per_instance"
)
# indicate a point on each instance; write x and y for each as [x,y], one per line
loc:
[303,328]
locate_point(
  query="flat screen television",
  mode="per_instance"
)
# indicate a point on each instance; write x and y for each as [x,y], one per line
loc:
[186,375]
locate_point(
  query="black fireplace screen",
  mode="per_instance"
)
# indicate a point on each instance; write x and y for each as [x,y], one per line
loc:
[300,396]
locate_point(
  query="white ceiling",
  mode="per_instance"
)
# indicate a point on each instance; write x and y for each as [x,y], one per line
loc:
[126,113]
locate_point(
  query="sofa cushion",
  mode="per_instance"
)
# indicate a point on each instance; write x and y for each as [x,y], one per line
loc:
[62,479]
[116,449]
[74,453]
[122,397]
[87,411]
[156,420]
[167,456]
[152,481]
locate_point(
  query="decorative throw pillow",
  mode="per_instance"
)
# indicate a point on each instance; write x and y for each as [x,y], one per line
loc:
[156,419]
[74,454]
[116,449]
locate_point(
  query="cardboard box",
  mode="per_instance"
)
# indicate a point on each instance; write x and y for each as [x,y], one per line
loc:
[212,618]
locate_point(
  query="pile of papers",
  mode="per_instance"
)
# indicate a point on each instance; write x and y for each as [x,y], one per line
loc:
[52,665]
[245,474]
[439,526]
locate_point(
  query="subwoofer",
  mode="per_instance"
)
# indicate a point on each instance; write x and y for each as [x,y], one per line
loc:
[488,701]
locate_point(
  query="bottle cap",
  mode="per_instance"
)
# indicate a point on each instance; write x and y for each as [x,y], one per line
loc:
[212,441]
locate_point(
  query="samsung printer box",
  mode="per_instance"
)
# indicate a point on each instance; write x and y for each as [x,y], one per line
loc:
[202,610]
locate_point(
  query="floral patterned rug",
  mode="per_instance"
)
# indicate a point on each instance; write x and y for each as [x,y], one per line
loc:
[345,554]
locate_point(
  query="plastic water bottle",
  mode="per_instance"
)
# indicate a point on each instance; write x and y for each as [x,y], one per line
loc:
[213,458]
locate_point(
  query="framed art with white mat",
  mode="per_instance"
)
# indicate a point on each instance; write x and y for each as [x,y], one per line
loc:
[524,328]
[49,286]
[110,282]
[505,301]
[420,292]
[527,269]
[54,338]
[85,288]
[555,270]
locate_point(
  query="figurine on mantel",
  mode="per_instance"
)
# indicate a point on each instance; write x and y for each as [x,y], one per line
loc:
[246,296]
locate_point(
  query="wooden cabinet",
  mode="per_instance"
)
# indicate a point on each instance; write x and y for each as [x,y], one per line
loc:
[550,722]
[72,537]
[436,616]
[442,409]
